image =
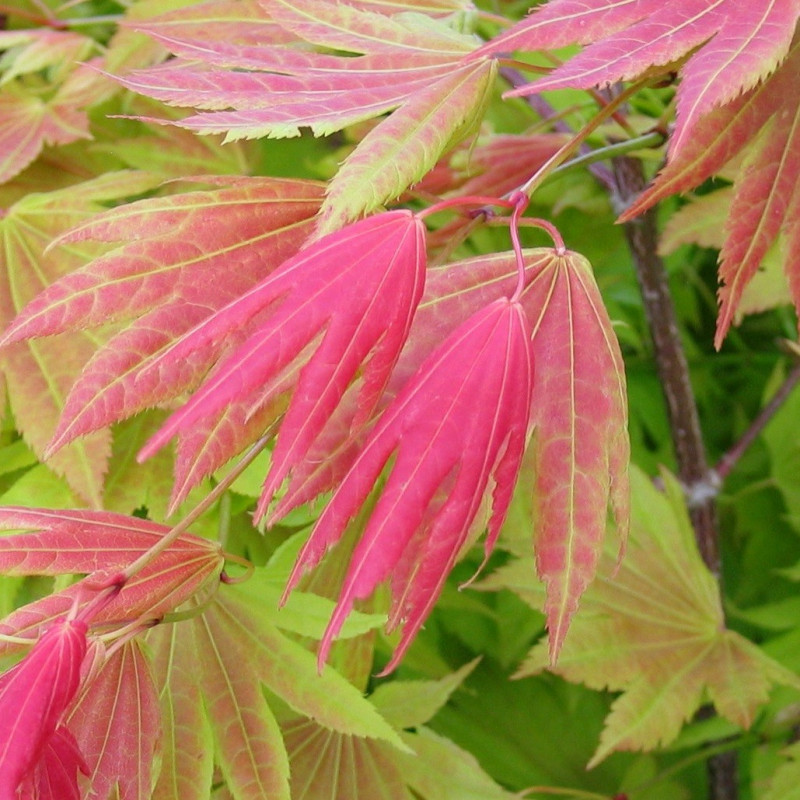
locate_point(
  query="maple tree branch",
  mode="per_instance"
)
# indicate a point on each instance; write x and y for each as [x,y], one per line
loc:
[732,456]
[700,483]
[673,369]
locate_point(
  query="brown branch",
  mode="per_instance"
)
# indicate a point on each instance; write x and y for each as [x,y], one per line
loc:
[732,456]
[700,482]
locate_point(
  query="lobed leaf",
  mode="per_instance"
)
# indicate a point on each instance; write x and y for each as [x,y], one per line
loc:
[116,722]
[765,124]
[580,444]
[404,147]
[456,432]
[39,374]
[652,627]
[580,447]
[34,695]
[357,289]
[735,49]
[171,281]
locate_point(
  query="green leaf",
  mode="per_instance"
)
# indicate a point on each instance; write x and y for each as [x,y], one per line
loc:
[408,704]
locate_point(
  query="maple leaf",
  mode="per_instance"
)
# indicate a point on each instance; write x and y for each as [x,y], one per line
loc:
[252,86]
[652,627]
[763,125]
[34,695]
[115,719]
[39,374]
[357,289]
[456,431]
[210,671]
[344,767]
[579,450]
[29,120]
[734,47]
[180,275]
[101,544]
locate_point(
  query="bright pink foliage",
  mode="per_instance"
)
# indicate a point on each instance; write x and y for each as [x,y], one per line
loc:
[342,305]
[457,432]
[35,752]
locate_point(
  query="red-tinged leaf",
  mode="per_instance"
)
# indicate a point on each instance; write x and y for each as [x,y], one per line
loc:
[457,431]
[736,45]
[39,374]
[34,695]
[765,124]
[28,124]
[249,745]
[581,447]
[189,567]
[53,778]
[357,289]
[74,542]
[579,408]
[116,722]
[183,273]
[404,147]
[344,27]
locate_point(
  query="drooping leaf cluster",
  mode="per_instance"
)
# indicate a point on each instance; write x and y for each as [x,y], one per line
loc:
[401,379]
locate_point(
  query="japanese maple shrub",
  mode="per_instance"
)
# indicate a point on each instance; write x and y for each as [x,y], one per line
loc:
[292,239]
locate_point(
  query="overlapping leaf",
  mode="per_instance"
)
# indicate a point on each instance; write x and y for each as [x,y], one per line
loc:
[456,432]
[224,656]
[255,76]
[355,291]
[39,374]
[763,126]
[34,695]
[204,249]
[116,722]
[30,120]
[580,447]
[735,45]
[653,628]
[329,764]
[100,543]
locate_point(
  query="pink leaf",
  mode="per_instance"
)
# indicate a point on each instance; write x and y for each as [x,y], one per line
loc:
[457,431]
[33,697]
[736,44]
[116,721]
[356,291]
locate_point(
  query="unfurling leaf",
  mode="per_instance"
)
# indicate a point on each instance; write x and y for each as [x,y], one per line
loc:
[343,304]
[456,432]
[34,695]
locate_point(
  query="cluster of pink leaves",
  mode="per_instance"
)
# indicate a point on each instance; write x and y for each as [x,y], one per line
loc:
[739,65]
[61,704]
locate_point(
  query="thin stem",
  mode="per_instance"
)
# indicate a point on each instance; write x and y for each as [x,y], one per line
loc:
[650,139]
[466,200]
[520,201]
[200,509]
[732,456]
[563,153]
